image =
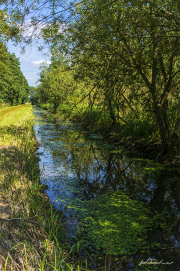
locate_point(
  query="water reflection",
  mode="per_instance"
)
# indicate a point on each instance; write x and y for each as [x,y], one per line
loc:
[76,164]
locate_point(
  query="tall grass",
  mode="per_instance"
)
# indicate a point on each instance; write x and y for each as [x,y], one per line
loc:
[2,105]
[32,235]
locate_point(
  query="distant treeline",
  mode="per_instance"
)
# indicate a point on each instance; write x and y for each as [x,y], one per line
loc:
[14,88]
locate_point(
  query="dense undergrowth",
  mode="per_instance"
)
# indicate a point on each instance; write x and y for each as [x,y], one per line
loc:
[98,120]
[139,134]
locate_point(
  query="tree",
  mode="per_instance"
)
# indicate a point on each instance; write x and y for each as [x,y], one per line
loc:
[8,28]
[14,88]
[57,84]
[13,85]
[140,39]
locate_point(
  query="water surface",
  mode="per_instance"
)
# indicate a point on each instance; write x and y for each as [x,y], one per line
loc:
[81,167]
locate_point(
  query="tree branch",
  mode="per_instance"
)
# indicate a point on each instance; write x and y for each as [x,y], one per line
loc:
[121,119]
[175,74]
[129,105]
[167,85]
[136,65]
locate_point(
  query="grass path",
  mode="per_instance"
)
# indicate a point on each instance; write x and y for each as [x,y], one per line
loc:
[30,231]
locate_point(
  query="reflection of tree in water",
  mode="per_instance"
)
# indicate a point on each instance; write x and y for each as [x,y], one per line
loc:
[99,170]
[160,189]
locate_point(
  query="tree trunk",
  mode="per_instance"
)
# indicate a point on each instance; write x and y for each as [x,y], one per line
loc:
[176,136]
[90,101]
[111,110]
[163,127]
[160,110]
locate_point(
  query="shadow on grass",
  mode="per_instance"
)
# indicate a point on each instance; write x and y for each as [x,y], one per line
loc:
[31,231]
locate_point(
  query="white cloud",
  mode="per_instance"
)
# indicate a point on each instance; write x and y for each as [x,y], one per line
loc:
[37,64]
[32,79]
[32,31]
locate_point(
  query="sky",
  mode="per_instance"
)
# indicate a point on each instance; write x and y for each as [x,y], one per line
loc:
[33,59]
[30,61]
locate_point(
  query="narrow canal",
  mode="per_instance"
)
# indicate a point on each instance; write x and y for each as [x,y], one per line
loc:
[128,205]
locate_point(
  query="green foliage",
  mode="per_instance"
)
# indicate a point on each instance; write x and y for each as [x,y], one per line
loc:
[14,88]
[130,71]
[57,86]
[121,62]
[8,27]
[131,54]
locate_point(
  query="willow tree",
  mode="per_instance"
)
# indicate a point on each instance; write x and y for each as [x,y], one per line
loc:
[143,39]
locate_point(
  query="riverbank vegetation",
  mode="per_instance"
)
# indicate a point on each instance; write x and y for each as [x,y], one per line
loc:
[31,233]
[118,79]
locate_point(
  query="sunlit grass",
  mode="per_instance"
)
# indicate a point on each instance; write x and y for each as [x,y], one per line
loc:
[34,238]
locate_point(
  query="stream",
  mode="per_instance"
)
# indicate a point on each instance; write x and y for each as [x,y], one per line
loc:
[116,192]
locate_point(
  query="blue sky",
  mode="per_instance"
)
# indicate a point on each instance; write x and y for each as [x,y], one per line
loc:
[30,61]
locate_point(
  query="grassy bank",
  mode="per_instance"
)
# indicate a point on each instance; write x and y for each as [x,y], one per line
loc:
[3,105]
[31,234]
